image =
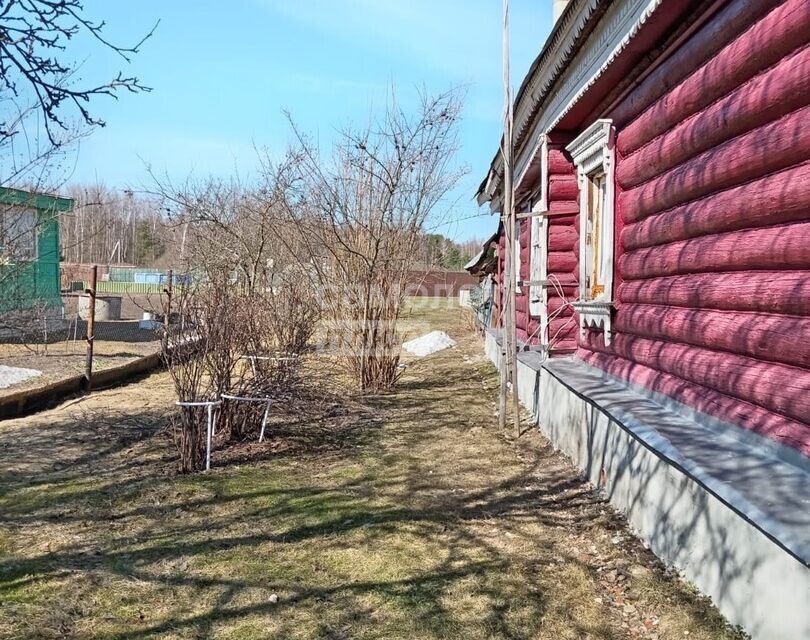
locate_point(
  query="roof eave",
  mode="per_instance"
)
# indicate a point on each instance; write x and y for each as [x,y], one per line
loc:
[557,51]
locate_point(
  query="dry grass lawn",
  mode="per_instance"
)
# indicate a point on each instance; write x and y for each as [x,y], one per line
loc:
[402,516]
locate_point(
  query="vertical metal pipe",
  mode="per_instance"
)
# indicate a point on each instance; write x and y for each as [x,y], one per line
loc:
[509,370]
[506,275]
[91,326]
[209,437]
[264,421]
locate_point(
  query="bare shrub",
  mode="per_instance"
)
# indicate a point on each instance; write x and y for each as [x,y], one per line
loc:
[184,357]
[291,308]
[359,218]
[251,299]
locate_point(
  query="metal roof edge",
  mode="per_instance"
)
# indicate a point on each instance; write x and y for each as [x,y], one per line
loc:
[557,51]
[41,201]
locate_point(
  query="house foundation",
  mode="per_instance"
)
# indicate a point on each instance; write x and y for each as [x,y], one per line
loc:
[729,513]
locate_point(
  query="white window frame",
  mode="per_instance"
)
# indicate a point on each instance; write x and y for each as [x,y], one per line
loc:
[538,261]
[516,256]
[593,154]
[20,249]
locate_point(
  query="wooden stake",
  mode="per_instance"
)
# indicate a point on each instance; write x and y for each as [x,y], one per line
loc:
[167,309]
[91,326]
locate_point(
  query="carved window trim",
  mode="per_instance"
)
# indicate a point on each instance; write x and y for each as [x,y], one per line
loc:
[593,154]
[538,265]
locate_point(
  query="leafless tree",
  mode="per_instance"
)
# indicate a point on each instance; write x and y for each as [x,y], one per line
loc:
[34,35]
[44,107]
[359,217]
[116,227]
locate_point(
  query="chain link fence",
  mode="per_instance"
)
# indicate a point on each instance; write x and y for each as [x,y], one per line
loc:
[92,325]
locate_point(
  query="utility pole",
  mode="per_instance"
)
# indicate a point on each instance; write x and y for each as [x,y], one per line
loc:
[509,341]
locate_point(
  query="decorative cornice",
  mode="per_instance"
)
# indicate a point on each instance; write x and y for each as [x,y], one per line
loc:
[606,34]
[551,62]
[627,18]
[594,315]
[546,68]
[592,147]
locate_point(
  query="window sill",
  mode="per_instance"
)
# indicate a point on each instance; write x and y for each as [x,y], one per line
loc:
[595,314]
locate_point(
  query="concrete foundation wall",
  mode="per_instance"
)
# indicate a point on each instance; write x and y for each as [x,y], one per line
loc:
[527,376]
[753,581]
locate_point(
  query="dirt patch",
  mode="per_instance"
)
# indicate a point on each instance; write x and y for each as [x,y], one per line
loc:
[66,359]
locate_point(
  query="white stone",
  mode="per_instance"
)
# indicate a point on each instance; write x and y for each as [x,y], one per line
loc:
[429,343]
[9,376]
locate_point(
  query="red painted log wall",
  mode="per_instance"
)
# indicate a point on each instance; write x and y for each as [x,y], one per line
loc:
[775,199]
[786,292]
[726,25]
[772,147]
[749,106]
[562,259]
[563,252]
[712,271]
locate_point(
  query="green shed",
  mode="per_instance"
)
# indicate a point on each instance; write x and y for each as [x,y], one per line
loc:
[29,250]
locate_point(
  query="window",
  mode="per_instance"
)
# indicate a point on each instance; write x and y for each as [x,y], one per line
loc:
[538,265]
[595,267]
[18,234]
[592,153]
[516,261]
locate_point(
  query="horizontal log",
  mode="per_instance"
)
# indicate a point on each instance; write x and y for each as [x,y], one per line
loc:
[561,238]
[561,262]
[560,307]
[562,327]
[563,187]
[777,145]
[565,221]
[776,387]
[567,283]
[521,304]
[771,291]
[791,433]
[564,207]
[767,97]
[560,162]
[700,47]
[781,247]
[764,336]
[778,198]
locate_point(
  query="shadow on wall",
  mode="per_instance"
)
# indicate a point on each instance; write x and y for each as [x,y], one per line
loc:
[684,524]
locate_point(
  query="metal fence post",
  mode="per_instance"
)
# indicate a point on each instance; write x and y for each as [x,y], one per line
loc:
[91,326]
[167,311]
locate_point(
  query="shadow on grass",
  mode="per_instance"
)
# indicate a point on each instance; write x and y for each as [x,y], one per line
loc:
[349,479]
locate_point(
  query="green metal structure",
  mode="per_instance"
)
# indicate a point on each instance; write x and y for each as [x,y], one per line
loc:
[32,280]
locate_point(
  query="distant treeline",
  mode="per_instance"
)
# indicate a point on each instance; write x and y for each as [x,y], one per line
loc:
[109,226]
[115,227]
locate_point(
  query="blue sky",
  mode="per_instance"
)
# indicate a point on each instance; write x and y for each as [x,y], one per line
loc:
[222,72]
